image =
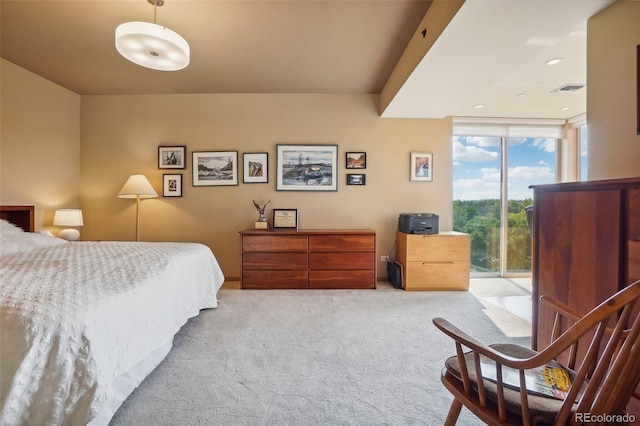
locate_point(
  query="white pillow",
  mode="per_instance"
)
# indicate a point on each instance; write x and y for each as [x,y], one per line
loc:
[8,228]
[13,239]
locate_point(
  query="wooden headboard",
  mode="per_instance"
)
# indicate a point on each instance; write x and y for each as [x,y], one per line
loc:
[22,216]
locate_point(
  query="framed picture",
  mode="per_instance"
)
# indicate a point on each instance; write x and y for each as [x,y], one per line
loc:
[421,166]
[255,167]
[172,157]
[306,167]
[356,179]
[172,185]
[215,168]
[356,160]
[285,218]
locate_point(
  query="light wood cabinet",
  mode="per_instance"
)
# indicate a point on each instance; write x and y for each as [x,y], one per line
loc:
[434,262]
[308,259]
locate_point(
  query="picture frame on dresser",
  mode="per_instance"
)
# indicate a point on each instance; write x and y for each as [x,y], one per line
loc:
[255,167]
[172,185]
[215,168]
[306,167]
[421,165]
[285,218]
[172,157]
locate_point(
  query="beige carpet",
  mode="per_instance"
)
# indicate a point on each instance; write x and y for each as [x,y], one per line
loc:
[311,357]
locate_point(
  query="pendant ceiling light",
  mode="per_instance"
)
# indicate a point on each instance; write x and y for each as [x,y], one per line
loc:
[151,45]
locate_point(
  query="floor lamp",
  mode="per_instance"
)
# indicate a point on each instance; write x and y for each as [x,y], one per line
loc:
[137,186]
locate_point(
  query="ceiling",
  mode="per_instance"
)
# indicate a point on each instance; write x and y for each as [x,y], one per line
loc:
[491,51]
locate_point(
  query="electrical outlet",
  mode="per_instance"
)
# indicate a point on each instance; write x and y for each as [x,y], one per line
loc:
[384,258]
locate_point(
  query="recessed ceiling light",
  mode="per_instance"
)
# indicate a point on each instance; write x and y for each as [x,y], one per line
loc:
[521,95]
[564,108]
[553,61]
[478,106]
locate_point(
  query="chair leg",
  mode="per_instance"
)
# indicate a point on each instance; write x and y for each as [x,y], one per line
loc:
[454,412]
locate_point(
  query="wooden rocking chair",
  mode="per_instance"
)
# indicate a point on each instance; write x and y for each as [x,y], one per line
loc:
[602,381]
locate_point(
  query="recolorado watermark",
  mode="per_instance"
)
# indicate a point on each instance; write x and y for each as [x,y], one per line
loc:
[605,418]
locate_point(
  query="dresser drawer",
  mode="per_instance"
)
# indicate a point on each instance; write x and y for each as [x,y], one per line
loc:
[275,279]
[436,276]
[274,243]
[270,261]
[341,261]
[338,243]
[342,279]
[338,258]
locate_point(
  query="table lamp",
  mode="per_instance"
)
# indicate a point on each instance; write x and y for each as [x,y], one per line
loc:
[68,217]
[137,186]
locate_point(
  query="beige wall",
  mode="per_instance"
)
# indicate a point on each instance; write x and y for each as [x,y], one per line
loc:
[40,143]
[41,136]
[121,134]
[614,146]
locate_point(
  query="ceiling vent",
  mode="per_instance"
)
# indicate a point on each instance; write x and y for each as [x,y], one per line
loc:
[568,88]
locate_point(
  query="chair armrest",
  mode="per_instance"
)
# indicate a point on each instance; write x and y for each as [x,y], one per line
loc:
[466,340]
[560,307]
[566,312]
[538,360]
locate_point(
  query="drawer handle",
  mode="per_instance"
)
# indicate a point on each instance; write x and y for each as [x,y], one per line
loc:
[438,263]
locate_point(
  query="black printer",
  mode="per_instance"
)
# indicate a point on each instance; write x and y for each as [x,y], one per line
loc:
[419,223]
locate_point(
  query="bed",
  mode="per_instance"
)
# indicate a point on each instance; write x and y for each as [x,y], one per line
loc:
[82,323]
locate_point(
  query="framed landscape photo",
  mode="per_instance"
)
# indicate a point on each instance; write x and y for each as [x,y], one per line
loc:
[421,166]
[285,218]
[356,179]
[172,185]
[255,167]
[172,157]
[215,168]
[306,167]
[356,160]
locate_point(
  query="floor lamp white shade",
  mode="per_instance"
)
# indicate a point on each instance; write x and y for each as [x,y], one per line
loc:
[68,217]
[138,187]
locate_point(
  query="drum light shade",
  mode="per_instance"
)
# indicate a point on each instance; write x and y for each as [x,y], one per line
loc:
[152,46]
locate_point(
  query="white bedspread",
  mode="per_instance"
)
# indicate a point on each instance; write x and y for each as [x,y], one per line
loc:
[75,316]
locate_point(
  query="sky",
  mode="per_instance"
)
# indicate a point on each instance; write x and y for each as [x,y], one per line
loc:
[309,155]
[476,166]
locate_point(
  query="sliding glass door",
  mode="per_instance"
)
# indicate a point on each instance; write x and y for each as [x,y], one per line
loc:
[530,161]
[476,195]
[491,178]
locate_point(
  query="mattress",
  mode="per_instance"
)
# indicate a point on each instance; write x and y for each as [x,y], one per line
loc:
[76,316]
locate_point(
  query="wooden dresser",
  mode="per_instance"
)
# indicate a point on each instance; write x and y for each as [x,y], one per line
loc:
[586,246]
[434,262]
[322,259]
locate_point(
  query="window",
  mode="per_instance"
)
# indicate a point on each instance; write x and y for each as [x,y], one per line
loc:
[493,167]
[583,135]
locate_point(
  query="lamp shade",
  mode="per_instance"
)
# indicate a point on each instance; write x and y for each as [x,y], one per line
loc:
[68,217]
[152,46]
[137,185]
